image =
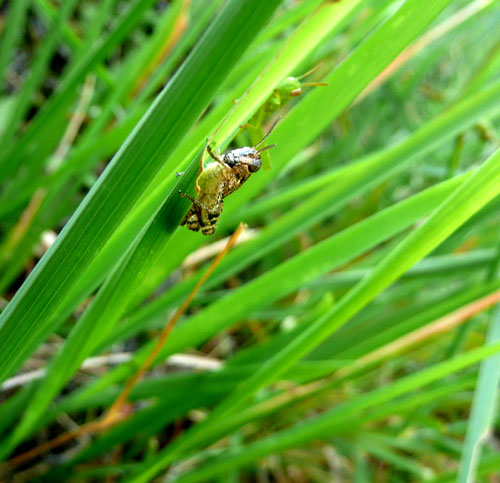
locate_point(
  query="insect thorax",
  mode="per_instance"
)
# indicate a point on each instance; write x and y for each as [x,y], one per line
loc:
[241,156]
[211,177]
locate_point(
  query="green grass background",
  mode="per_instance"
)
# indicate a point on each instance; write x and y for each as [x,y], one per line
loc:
[378,218]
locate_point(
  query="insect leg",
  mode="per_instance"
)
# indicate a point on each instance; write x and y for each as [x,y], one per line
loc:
[217,156]
[208,219]
[184,195]
[197,202]
[212,155]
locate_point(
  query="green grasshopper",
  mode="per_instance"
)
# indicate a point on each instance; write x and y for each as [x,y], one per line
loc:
[218,180]
[285,91]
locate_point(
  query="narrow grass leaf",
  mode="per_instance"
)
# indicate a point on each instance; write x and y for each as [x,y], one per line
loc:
[12,31]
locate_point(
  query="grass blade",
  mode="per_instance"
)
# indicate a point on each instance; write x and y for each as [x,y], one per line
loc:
[485,398]
[12,32]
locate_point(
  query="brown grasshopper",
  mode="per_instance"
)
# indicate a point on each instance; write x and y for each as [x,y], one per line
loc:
[218,180]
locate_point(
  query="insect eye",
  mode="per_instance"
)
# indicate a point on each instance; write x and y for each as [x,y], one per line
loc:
[254,167]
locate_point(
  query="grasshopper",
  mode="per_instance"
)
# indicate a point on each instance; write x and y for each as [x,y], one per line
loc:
[219,179]
[284,92]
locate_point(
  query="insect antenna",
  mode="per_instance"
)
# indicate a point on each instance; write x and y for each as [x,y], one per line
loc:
[265,148]
[314,69]
[311,84]
[267,133]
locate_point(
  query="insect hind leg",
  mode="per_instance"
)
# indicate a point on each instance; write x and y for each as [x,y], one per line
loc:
[198,203]
[188,197]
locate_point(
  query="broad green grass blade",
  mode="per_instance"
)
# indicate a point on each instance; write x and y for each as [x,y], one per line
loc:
[24,323]
[58,192]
